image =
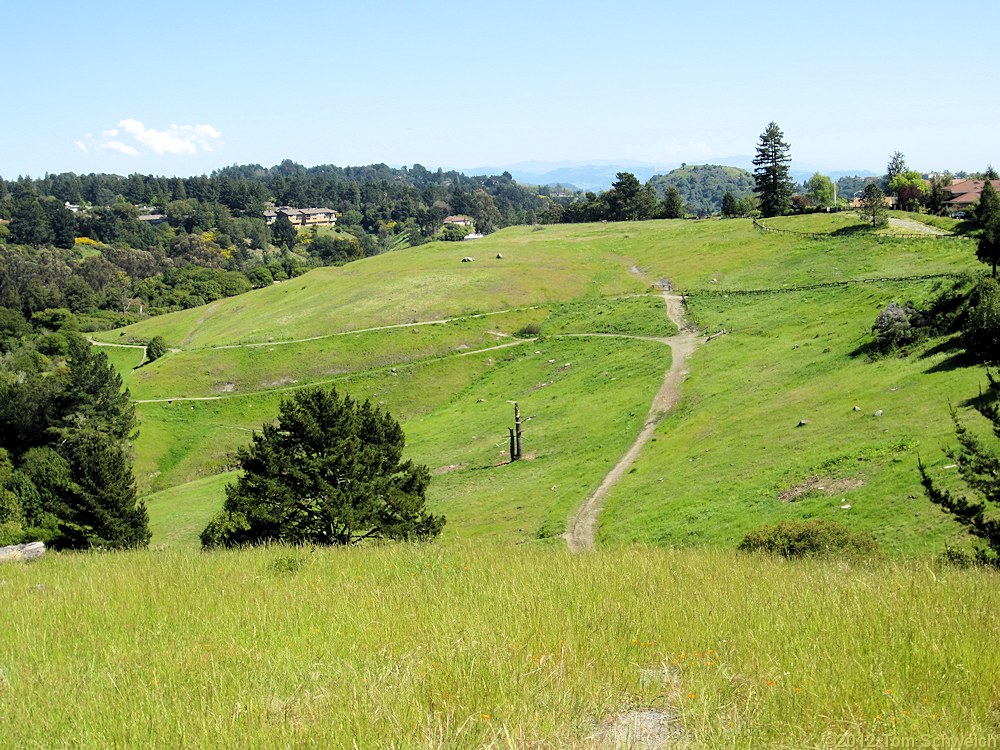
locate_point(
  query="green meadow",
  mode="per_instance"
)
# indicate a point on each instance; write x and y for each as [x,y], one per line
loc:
[475,645]
[495,635]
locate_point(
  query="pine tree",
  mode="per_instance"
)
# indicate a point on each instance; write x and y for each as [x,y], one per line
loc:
[629,200]
[729,205]
[283,231]
[895,167]
[774,184]
[329,472]
[988,219]
[979,467]
[69,432]
[673,204]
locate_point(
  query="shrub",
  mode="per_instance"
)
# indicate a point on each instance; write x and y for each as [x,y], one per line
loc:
[812,538]
[454,233]
[529,330]
[898,326]
[156,348]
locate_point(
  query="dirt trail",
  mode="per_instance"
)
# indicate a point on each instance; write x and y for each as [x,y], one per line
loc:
[915,226]
[580,536]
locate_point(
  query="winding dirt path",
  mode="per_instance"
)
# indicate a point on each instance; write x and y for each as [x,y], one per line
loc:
[580,536]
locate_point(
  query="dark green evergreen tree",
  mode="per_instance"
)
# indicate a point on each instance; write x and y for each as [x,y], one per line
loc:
[28,223]
[774,185]
[69,430]
[988,219]
[329,472]
[673,205]
[103,509]
[283,231]
[156,348]
[729,206]
[979,467]
[629,200]
[62,223]
[936,197]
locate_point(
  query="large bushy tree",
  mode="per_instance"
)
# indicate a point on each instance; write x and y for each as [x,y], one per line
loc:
[330,471]
[774,185]
[630,200]
[821,190]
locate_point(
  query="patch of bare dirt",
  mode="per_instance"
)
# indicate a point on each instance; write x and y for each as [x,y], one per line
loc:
[641,729]
[447,469]
[286,380]
[826,485]
[227,387]
[540,386]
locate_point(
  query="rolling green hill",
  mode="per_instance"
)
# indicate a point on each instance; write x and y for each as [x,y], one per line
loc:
[496,636]
[702,186]
[445,358]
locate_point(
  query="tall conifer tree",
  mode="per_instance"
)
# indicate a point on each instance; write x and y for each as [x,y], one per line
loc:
[774,184]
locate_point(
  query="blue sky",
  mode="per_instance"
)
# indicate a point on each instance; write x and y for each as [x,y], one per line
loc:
[186,87]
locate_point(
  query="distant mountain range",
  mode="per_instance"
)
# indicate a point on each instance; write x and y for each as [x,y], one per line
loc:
[598,175]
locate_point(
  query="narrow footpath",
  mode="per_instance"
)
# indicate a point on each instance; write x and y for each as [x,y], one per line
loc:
[580,536]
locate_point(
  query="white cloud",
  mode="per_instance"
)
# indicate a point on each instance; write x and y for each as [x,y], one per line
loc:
[177,139]
[132,138]
[120,147]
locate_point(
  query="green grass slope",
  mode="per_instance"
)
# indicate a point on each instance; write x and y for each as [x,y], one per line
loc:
[733,456]
[451,360]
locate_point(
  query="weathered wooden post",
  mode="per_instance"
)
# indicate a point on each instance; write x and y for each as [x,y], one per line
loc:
[517,431]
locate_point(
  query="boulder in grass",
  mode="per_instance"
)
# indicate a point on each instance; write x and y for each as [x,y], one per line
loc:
[23,552]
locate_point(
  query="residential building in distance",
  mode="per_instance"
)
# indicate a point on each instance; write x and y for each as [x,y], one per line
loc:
[303,217]
[962,195]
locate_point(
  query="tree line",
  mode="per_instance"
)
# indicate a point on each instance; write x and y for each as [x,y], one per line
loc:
[87,244]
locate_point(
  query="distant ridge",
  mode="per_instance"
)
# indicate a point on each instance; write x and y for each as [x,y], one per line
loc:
[599,174]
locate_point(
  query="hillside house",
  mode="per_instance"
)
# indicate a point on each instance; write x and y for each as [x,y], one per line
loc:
[303,217]
[459,220]
[890,201]
[962,195]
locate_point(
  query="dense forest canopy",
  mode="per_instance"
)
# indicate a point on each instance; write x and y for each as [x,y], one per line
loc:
[109,248]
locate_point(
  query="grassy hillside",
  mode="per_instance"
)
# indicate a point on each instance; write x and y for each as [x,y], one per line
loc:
[728,459]
[469,646]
